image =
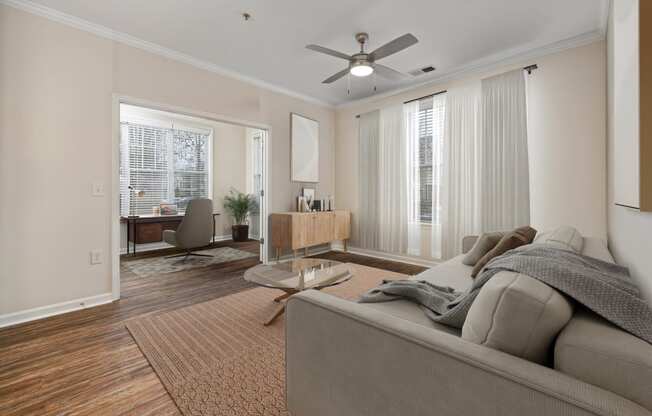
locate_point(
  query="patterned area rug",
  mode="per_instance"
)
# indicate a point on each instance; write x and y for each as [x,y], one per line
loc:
[162,265]
[217,358]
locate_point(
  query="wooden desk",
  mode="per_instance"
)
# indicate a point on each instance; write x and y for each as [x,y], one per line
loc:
[149,228]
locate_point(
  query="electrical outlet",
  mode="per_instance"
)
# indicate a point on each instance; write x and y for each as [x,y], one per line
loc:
[97,189]
[96,256]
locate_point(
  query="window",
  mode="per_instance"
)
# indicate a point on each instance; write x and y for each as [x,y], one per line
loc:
[168,163]
[431,132]
[425,161]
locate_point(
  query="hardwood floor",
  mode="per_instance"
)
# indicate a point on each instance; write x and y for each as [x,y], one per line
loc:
[86,363]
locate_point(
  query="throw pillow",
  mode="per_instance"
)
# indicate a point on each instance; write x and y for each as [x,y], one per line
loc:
[483,244]
[519,237]
[564,238]
[519,315]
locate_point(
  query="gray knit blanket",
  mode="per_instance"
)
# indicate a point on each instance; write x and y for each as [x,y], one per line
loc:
[605,288]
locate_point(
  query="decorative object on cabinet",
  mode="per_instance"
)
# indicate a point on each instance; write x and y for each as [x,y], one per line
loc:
[308,193]
[300,230]
[305,149]
[302,204]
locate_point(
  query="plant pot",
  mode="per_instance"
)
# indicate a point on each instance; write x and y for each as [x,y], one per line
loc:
[240,232]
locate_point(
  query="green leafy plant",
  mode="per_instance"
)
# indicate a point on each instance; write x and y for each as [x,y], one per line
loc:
[240,205]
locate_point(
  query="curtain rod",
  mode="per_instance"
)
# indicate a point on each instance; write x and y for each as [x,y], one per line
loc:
[425,96]
[528,68]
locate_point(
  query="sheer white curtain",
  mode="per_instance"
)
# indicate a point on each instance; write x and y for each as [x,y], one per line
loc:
[383,196]
[392,177]
[505,173]
[480,179]
[424,228]
[411,117]
[460,174]
[438,127]
[368,216]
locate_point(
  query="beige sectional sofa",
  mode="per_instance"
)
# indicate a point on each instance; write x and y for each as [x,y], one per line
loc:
[346,358]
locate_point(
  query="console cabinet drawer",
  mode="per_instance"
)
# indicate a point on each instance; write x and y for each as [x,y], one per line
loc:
[296,230]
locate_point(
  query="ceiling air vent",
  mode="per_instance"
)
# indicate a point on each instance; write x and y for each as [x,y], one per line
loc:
[421,71]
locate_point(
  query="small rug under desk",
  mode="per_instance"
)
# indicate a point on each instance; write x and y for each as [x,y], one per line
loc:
[152,266]
[217,358]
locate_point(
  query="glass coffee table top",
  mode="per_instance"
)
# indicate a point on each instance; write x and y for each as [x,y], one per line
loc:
[299,274]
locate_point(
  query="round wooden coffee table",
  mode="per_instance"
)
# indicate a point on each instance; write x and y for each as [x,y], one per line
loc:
[297,275]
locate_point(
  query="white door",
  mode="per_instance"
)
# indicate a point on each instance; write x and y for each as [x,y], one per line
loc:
[256,183]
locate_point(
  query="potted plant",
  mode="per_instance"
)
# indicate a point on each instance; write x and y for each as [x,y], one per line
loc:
[239,206]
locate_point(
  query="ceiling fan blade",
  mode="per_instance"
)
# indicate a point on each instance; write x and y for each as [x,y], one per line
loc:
[327,51]
[335,77]
[389,73]
[394,46]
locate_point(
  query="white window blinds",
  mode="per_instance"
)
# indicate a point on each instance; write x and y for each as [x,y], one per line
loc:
[168,164]
[431,129]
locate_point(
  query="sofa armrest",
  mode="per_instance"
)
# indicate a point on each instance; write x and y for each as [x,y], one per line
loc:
[468,242]
[345,358]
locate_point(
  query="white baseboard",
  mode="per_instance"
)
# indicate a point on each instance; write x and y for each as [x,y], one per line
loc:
[56,309]
[386,256]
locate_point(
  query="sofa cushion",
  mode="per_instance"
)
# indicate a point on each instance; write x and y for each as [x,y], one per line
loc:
[563,237]
[519,315]
[597,248]
[412,312]
[482,245]
[452,273]
[511,240]
[597,352]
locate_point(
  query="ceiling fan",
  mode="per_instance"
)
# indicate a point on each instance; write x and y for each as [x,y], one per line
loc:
[362,63]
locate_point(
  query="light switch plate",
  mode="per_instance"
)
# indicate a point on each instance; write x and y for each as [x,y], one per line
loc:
[98,189]
[96,256]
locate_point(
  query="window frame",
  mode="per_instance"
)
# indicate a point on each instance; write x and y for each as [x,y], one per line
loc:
[436,131]
[169,123]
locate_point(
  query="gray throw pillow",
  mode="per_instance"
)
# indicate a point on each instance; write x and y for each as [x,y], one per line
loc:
[483,244]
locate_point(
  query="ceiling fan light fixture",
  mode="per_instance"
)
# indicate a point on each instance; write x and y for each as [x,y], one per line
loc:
[361,69]
[363,64]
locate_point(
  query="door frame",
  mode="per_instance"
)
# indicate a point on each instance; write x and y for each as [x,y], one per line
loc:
[118,99]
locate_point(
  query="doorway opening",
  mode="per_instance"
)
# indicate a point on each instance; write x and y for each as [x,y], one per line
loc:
[175,174]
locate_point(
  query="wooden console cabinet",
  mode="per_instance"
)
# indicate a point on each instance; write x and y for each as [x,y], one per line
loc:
[300,230]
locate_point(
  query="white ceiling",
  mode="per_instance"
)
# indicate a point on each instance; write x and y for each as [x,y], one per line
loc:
[271,46]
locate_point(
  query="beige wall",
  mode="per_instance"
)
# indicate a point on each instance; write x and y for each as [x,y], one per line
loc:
[630,231]
[567,140]
[566,136]
[229,169]
[56,140]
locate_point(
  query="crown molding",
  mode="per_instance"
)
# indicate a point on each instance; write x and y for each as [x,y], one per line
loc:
[105,32]
[529,51]
[495,61]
